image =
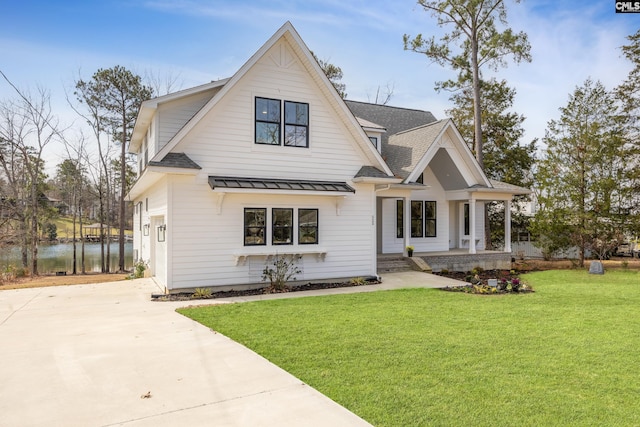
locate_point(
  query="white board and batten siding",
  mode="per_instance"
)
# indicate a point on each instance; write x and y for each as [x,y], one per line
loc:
[172,116]
[223,142]
[204,244]
[205,248]
[153,205]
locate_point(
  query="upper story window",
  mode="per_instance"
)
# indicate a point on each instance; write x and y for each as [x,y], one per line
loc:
[296,124]
[269,120]
[374,141]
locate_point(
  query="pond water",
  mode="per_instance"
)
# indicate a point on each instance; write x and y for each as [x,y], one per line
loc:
[59,257]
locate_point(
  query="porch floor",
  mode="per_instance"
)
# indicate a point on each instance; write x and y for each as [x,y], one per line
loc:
[459,259]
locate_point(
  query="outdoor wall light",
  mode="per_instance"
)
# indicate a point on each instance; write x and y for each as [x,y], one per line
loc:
[145,230]
[161,232]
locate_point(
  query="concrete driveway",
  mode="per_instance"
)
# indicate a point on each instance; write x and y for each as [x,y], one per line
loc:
[90,355]
[104,355]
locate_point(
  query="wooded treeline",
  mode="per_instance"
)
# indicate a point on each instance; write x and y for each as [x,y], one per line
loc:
[91,181]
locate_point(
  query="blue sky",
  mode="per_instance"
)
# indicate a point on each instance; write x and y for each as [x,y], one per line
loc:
[49,43]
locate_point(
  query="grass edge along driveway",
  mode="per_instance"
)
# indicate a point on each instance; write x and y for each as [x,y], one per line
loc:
[565,355]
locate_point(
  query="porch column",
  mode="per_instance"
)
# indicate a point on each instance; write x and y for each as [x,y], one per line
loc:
[507,226]
[406,219]
[472,226]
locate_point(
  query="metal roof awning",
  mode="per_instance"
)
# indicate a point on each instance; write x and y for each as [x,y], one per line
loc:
[244,184]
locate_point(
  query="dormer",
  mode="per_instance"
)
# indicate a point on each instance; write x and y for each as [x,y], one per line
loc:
[373,131]
[159,119]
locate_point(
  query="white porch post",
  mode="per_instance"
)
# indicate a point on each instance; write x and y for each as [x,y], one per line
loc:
[406,219]
[472,226]
[507,226]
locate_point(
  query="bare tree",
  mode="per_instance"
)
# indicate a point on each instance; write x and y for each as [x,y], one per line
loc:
[162,84]
[28,127]
[383,95]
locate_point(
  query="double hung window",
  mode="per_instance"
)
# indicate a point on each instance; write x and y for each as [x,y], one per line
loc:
[307,226]
[269,122]
[423,218]
[399,219]
[282,231]
[430,219]
[282,224]
[296,124]
[255,224]
[416,219]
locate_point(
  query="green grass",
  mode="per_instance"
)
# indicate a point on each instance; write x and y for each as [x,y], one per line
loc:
[565,355]
[64,227]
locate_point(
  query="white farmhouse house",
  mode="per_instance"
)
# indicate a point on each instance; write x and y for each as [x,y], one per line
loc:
[273,161]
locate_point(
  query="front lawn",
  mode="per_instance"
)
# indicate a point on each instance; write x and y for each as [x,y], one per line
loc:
[567,354]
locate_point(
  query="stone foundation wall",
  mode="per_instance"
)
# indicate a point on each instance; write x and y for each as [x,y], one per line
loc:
[493,261]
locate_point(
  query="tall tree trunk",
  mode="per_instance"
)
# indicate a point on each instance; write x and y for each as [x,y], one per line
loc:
[82,265]
[75,214]
[123,180]
[34,230]
[102,263]
[24,250]
[477,112]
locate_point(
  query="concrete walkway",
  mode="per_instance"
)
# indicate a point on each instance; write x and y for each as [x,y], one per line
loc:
[105,355]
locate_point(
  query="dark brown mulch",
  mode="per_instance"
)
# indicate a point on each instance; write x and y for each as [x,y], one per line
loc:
[185,296]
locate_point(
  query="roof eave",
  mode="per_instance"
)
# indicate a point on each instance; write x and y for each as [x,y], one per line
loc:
[377,180]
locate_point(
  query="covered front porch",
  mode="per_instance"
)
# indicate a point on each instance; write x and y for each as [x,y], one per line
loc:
[451,260]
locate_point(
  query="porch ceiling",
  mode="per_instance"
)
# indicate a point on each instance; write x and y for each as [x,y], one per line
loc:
[447,172]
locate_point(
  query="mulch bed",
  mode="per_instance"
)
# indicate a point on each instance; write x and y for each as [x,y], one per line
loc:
[477,284]
[509,282]
[185,296]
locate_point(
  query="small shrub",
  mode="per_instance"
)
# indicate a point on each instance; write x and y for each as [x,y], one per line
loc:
[357,281]
[138,270]
[282,270]
[444,271]
[201,293]
[625,264]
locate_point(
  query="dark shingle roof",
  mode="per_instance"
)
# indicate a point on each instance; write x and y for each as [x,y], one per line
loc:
[394,119]
[405,149]
[176,160]
[371,172]
[278,184]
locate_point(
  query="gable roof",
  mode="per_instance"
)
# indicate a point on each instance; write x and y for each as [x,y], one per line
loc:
[393,119]
[404,150]
[149,107]
[176,160]
[288,32]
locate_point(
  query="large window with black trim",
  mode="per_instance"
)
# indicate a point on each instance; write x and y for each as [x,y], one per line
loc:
[280,226]
[430,218]
[424,217]
[270,120]
[255,224]
[282,230]
[307,226]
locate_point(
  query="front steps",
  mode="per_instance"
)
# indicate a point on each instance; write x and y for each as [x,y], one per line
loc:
[393,263]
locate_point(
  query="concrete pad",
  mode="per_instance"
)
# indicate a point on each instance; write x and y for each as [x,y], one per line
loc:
[106,355]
